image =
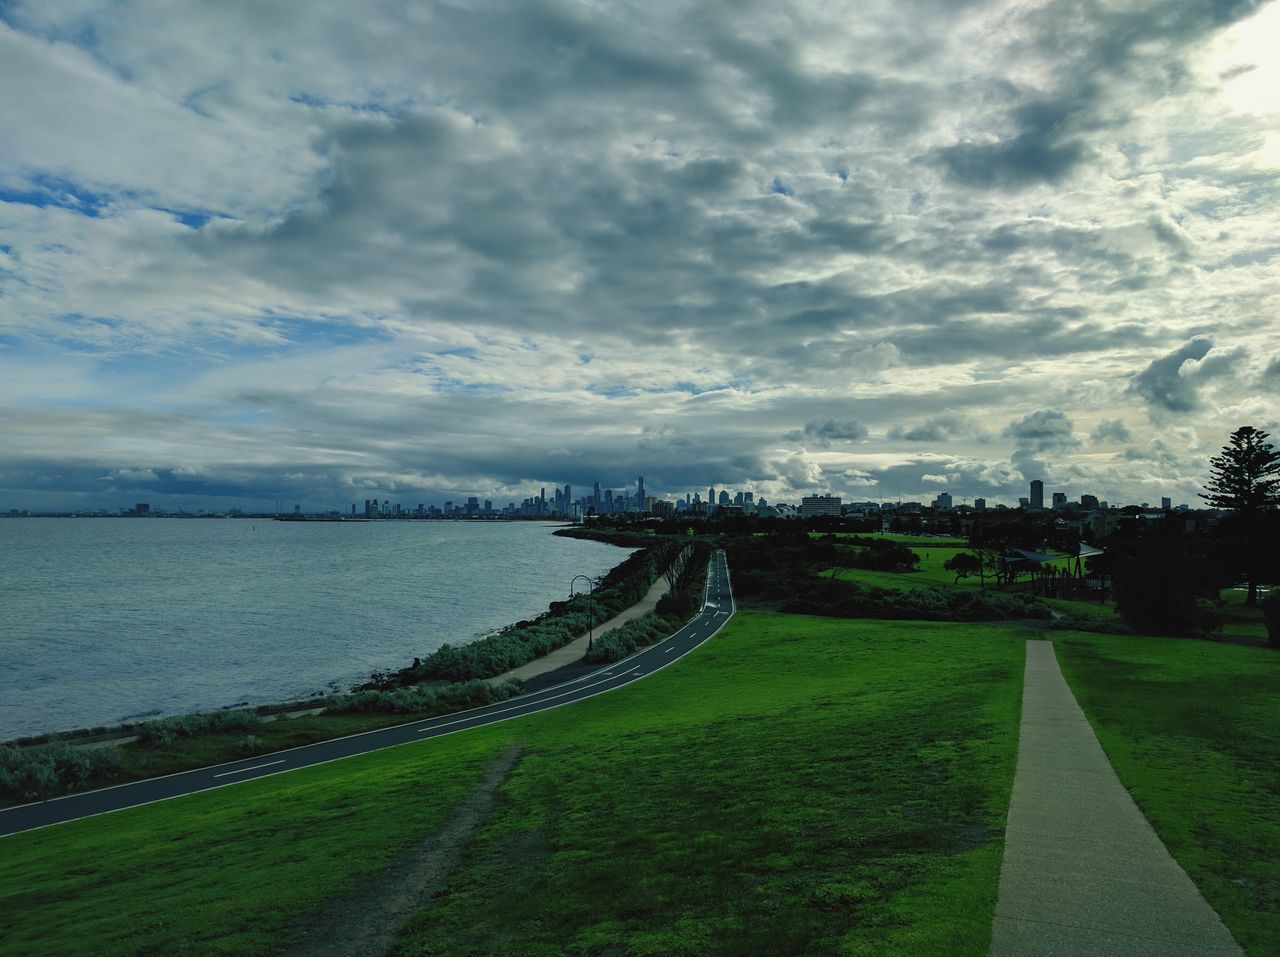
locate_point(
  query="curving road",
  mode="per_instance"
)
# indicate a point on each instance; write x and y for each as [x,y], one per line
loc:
[717,609]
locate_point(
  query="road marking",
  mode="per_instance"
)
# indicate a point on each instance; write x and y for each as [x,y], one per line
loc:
[668,651]
[254,768]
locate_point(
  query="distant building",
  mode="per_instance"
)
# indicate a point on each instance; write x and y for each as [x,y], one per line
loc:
[1089,502]
[979,504]
[1166,503]
[943,502]
[811,505]
[142,508]
[1037,493]
[1059,499]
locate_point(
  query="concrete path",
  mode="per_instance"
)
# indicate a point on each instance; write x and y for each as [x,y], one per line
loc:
[574,650]
[1083,871]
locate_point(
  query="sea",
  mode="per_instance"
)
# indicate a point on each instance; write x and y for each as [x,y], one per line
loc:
[107,620]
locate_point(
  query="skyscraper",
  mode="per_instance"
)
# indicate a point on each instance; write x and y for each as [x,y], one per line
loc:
[1037,493]
[640,490]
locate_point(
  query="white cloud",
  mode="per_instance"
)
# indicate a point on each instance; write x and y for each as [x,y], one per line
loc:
[289,245]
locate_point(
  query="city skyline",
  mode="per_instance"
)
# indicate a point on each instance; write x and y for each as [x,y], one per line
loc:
[883,251]
[612,500]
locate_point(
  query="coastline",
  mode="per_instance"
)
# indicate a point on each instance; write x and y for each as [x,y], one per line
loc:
[124,732]
[568,655]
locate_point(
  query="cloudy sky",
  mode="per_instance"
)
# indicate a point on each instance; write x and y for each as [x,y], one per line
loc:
[251,251]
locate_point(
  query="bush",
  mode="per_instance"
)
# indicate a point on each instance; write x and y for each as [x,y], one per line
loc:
[1271,616]
[673,610]
[626,639]
[429,701]
[168,730]
[37,771]
[839,599]
[885,557]
[1074,621]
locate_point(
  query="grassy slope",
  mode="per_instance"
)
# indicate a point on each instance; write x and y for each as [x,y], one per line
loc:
[1191,729]
[764,795]
[222,872]
[802,785]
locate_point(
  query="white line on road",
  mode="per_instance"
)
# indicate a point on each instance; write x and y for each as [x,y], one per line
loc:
[254,768]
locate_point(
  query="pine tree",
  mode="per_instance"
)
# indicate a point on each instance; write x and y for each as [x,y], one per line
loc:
[1243,479]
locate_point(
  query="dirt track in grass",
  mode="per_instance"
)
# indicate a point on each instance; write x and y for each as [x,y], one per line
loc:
[368,920]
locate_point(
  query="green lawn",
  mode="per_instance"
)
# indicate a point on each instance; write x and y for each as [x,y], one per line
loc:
[799,785]
[803,785]
[1239,620]
[224,871]
[1192,730]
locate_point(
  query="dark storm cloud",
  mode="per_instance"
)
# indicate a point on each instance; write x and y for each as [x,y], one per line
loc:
[1042,149]
[1043,138]
[1173,382]
[1042,430]
[1271,374]
[942,428]
[827,431]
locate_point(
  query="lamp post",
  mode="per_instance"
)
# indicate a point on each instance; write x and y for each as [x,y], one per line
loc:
[591,605]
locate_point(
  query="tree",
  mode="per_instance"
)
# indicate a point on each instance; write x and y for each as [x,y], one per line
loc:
[1163,584]
[963,564]
[1245,479]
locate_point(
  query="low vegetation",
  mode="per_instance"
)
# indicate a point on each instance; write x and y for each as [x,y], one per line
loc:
[425,701]
[41,770]
[168,730]
[674,609]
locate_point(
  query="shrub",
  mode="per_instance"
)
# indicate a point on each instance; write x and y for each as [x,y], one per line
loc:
[168,730]
[430,701]
[1271,616]
[37,771]
[1074,621]
[626,639]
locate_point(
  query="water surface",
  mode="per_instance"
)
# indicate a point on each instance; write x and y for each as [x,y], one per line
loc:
[104,620]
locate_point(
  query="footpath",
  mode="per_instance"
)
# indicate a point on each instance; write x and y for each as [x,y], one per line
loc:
[1083,871]
[572,652]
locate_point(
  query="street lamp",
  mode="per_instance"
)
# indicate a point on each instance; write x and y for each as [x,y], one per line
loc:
[591,605]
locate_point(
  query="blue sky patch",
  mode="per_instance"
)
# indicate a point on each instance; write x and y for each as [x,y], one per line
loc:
[60,193]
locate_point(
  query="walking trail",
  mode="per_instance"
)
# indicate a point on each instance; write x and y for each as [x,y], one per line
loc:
[1083,871]
[572,652]
[368,920]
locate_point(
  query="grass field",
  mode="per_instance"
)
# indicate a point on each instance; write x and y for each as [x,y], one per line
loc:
[799,785]
[1191,728]
[225,871]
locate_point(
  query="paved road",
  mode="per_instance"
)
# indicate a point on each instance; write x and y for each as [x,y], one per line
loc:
[716,612]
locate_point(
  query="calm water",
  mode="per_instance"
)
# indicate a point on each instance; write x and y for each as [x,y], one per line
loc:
[103,620]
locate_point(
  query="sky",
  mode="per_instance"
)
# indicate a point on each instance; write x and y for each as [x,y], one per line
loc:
[324,252]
